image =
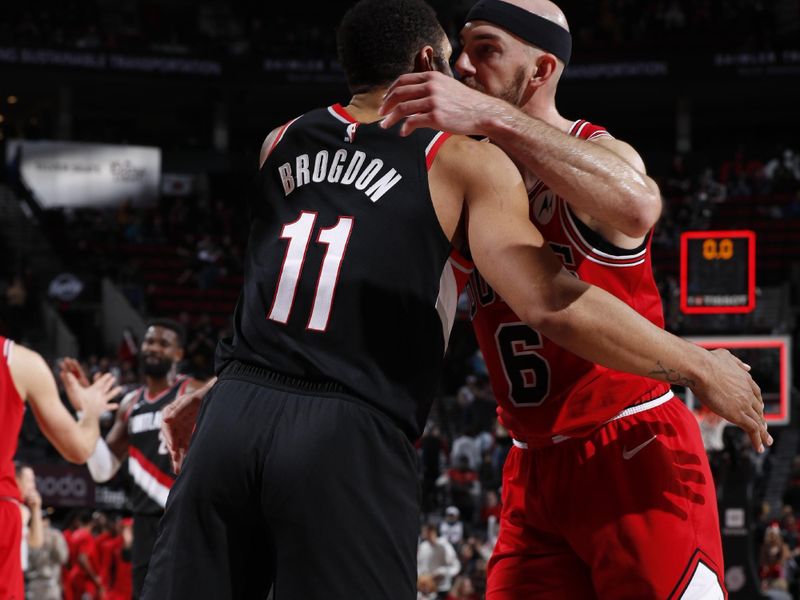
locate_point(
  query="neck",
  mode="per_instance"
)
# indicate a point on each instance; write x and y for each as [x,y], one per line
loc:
[156,385]
[542,106]
[364,107]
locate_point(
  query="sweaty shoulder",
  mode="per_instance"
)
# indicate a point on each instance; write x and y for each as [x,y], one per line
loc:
[467,171]
[466,158]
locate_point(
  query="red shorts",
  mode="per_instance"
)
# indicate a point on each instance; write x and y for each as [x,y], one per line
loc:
[628,512]
[11,585]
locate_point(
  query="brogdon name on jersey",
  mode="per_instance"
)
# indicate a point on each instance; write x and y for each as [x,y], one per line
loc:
[531,376]
[149,464]
[348,274]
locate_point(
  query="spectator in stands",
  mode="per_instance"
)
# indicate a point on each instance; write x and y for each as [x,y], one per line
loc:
[85,564]
[30,509]
[466,446]
[452,529]
[43,577]
[491,507]
[121,577]
[463,487]
[774,560]
[426,587]
[789,529]
[433,450]
[472,554]
[462,589]
[784,171]
[437,557]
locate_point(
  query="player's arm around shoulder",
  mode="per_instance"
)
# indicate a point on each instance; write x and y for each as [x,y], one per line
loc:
[645,205]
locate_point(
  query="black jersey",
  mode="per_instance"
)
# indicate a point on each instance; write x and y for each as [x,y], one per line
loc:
[347,273]
[149,463]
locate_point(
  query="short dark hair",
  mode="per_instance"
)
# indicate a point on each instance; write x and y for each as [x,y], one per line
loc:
[179,330]
[378,39]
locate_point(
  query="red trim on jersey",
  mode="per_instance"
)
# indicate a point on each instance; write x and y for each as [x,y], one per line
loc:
[583,246]
[585,130]
[340,110]
[432,150]
[462,263]
[279,137]
[537,189]
[151,469]
[146,395]
[183,387]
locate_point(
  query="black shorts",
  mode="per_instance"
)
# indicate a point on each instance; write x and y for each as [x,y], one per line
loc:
[311,492]
[145,530]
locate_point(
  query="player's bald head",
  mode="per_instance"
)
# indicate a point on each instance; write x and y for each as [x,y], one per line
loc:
[543,8]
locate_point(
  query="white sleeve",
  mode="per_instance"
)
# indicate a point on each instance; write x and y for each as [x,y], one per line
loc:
[102,464]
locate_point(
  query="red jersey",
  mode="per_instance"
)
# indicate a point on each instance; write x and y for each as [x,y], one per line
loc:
[11,411]
[544,391]
[83,542]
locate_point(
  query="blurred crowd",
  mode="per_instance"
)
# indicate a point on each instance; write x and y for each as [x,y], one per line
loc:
[85,555]
[247,29]
[693,188]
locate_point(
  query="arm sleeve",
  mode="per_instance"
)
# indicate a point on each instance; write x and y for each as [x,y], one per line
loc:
[103,465]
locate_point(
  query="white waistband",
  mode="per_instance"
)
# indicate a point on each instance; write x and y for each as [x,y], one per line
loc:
[644,406]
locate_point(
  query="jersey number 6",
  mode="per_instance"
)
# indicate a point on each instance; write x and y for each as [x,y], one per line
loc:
[527,373]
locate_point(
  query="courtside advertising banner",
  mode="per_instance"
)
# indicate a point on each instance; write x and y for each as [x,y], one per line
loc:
[74,174]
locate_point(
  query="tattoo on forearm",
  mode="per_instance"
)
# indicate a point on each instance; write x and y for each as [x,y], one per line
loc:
[671,375]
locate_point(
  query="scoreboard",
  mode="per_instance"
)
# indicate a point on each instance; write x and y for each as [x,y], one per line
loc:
[718,272]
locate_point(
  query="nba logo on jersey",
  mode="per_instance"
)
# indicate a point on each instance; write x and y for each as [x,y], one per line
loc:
[351,132]
[544,206]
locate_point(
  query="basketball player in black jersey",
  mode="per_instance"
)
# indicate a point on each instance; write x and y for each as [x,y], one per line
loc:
[137,433]
[301,474]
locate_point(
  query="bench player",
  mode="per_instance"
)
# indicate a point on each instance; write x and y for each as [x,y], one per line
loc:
[136,433]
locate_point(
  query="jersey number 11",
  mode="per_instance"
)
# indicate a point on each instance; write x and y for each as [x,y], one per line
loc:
[299,235]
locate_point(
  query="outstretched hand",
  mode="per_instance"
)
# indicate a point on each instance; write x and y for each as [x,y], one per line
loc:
[730,392]
[70,365]
[432,99]
[95,399]
[178,421]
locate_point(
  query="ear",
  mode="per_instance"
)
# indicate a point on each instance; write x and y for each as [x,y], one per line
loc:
[546,66]
[423,61]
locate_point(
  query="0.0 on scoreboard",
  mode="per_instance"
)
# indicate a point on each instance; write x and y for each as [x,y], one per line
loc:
[718,272]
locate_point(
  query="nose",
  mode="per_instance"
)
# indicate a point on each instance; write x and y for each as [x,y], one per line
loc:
[464,66]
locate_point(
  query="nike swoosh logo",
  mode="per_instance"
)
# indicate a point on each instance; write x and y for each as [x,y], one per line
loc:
[629,454]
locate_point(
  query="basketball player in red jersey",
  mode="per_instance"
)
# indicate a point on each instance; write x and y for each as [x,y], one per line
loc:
[608,491]
[136,433]
[25,377]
